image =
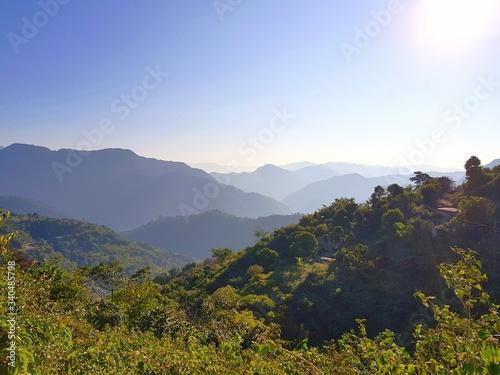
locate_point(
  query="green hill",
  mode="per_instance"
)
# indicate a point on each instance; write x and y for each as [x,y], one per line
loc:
[375,256]
[80,243]
[213,229]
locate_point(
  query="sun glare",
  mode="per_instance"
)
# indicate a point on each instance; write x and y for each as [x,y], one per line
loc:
[457,20]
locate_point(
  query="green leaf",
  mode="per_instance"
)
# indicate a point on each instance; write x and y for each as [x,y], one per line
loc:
[491,354]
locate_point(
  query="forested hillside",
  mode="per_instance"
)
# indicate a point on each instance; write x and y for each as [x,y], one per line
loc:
[378,254]
[206,231]
[406,283]
[78,243]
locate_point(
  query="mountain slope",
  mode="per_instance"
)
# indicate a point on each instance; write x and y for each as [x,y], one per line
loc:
[349,261]
[268,180]
[315,173]
[80,243]
[21,205]
[120,189]
[320,193]
[210,230]
[493,164]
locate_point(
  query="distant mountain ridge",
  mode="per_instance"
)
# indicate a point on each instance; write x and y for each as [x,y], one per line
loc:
[340,168]
[268,180]
[286,185]
[493,164]
[317,194]
[120,189]
[209,230]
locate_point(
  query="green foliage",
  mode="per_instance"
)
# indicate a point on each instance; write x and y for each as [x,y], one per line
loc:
[221,254]
[390,218]
[431,192]
[255,270]
[304,244]
[420,178]
[78,243]
[353,258]
[478,210]
[394,190]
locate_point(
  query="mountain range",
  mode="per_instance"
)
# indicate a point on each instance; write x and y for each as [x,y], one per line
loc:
[282,183]
[324,192]
[124,191]
[120,189]
[268,180]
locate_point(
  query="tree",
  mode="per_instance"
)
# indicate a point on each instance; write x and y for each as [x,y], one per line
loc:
[142,274]
[107,277]
[394,190]
[221,254]
[420,178]
[304,244]
[447,184]
[478,210]
[377,195]
[255,270]
[474,173]
[390,218]
[267,257]
[472,163]
[261,234]
[431,191]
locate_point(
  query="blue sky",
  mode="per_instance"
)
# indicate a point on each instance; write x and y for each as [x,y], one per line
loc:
[420,90]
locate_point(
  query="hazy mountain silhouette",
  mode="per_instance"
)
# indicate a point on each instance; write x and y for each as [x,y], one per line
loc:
[206,231]
[315,173]
[219,168]
[320,193]
[120,189]
[341,168]
[299,165]
[282,182]
[493,164]
[269,180]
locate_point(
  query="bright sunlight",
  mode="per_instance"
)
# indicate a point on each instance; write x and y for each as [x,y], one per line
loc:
[457,20]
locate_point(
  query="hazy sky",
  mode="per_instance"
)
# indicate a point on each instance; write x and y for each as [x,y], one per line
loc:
[255,81]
